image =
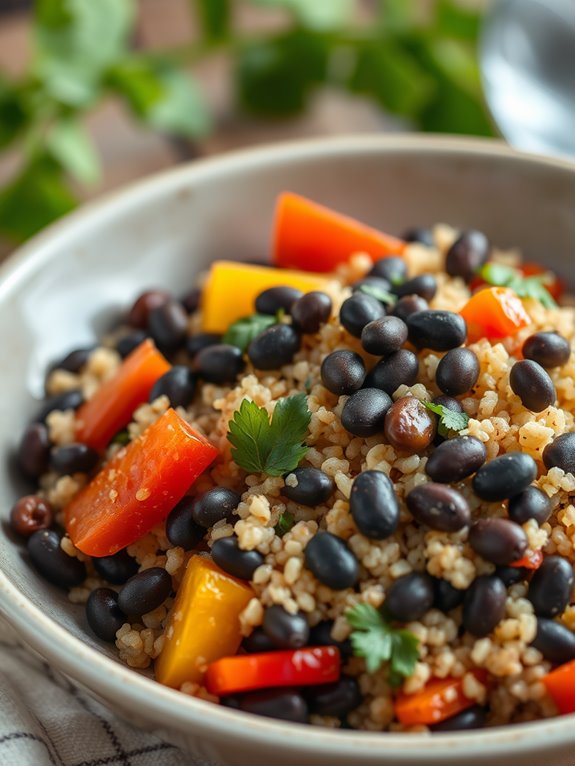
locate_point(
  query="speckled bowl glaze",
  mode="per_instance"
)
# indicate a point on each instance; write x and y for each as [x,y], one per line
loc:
[64,287]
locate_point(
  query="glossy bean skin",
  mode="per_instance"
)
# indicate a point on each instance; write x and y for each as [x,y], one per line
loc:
[320,635]
[457,372]
[384,336]
[560,453]
[409,425]
[337,699]
[258,642]
[145,591]
[410,597]
[472,718]
[532,503]
[374,505]
[116,569]
[104,616]
[220,363]
[284,704]
[74,360]
[127,343]
[314,487]
[178,384]
[555,642]
[69,400]
[532,385]
[437,330]
[330,559]
[285,630]
[359,310]
[399,368]
[181,528]
[424,285]
[551,587]
[371,286]
[228,555]
[500,541]
[365,412]
[505,476]
[393,268]
[419,234]
[455,459]
[214,505]
[447,597]
[52,562]
[408,306]
[439,507]
[274,347]
[467,254]
[147,301]
[484,605]
[311,311]
[34,450]
[342,372]
[29,514]
[279,298]
[195,343]
[512,575]
[168,325]
[549,349]
[73,458]
[191,300]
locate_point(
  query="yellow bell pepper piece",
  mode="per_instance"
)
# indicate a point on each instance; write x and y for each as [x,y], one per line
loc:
[203,625]
[231,290]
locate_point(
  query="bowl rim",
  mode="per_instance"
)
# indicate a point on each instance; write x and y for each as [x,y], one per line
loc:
[113,681]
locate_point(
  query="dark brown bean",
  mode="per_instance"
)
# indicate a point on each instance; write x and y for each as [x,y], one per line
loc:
[330,559]
[274,347]
[384,336]
[439,507]
[234,560]
[104,615]
[146,302]
[457,372]
[410,597]
[424,285]
[437,330]
[555,642]
[337,699]
[373,505]
[374,286]
[145,591]
[191,300]
[220,363]
[285,630]
[50,560]
[398,369]
[419,234]
[320,635]
[313,487]
[484,605]
[214,505]
[409,425]
[560,453]
[168,325]
[504,477]
[472,718]
[195,343]
[532,503]
[551,587]
[311,311]
[274,299]
[117,568]
[532,385]
[409,305]
[447,597]
[68,400]
[29,514]
[393,268]
[467,254]
[342,372]
[258,642]
[549,349]
[284,704]
[359,310]
[181,529]
[365,411]
[456,459]
[34,450]
[500,541]
[73,361]
[73,458]
[512,575]
[129,342]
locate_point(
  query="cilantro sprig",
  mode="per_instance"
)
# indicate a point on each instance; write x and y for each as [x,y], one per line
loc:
[375,638]
[285,522]
[448,419]
[500,275]
[383,296]
[273,447]
[242,332]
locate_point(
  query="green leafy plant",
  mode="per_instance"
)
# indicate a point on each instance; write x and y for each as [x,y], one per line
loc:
[244,330]
[449,421]
[500,275]
[421,66]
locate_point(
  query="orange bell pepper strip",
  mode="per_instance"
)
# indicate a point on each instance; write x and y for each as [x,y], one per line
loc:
[531,560]
[294,667]
[112,406]
[138,487]
[204,623]
[560,685]
[312,237]
[440,699]
[494,313]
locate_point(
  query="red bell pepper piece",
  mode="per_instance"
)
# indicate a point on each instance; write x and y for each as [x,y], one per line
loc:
[440,699]
[531,560]
[560,685]
[312,237]
[294,667]
[494,313]
[138,487]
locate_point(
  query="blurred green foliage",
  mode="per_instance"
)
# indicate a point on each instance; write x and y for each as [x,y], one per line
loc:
[422,67]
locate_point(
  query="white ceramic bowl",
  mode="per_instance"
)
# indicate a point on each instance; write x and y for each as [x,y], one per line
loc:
[60,289]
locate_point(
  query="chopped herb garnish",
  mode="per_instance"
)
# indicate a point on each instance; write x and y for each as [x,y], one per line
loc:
[242,332]
[275,447]
[285,522]
[375,638]
[500,275]
[376,292]
[122,437]
[448,419]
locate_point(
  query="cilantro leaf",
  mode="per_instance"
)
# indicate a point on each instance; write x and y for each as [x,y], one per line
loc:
[242,332]
[381,295]
[500,275]
[122,437]
[275,447]
[375,639]
[448,419]
[285,522]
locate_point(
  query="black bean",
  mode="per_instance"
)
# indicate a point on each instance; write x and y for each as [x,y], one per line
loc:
[439,507]
[472,718]
[447,597]
[398,369]
[359,310]
[419,234]
[103,613]
[406,307]
[178,384]
[74,361]
[371,286]
[505,476]
[52,562]
[457,372]
[448,402]
[373,505]
[274,299]
[258,642]
[73,458]
[551,587]
[364,412]
[393,268]
[285,630]
[425,285]
[437,330]
[320,635]
[532,385]
[555,642]
[512,575]
[467,255]
[128,343]
[410,597]
[168,325]
[409,425]
[29,514]
[549,349]
[342,372]
[560,453]
[145,303]
[384,336]
[69,400]
[181,529]
[191,300]
[195,343]
[500,541]
[532,503]
[284,704]
[337,699]
[214,505]
[484,605]
[220,363]
[274,347]
[314,487]
[116,569]
[145,591]
[34,450]
[311,311]
[456,459]
[330,559]
[228,555]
